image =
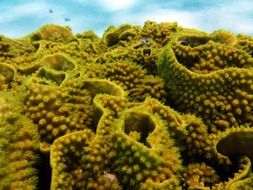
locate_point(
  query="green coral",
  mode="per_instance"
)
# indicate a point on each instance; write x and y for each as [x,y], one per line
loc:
[53,33]
[58,110]
[144,149]
[7,73]
[134,143]
[18,146]
[200,176]
[131,77]
[221,95]
[65,152]
[136,44]
[10,48]
[147,107]
[245,43]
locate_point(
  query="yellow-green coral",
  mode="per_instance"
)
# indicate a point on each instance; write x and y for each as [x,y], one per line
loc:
[53,33]
[136,44]
[223,96]
[132,78]
[10,48]
[152,107]
[204,53]
[127,143]
[200,176]
[66,154]
[145,149]
[18,145]
[58,110]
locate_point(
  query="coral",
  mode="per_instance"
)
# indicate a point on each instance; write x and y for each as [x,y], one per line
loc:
[135,44]
[205,53]
[152,107]
[145,150]
[235,144]
[4,108]
[114,35]
[159,32]
[59,110]
[11,49]
[235,141]
[53,33]
[241,177]
[245,43]
[74,49]
[244,184]
[199,176]
[55,111]
[88,152]
[202,176]
[7,73]
[57,61]
[130,76]
[144,55]
[66,153]
[132,148]
[106,181]
[222,96]
[89,42]
[196,142]
[50,76]
[18,144]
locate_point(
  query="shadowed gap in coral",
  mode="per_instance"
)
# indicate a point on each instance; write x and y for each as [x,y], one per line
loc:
[139,126]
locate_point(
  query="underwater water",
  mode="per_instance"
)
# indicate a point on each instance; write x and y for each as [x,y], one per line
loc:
[20,17]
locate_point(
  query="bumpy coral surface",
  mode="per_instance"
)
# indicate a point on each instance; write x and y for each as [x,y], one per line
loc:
[209,77]
[152,107]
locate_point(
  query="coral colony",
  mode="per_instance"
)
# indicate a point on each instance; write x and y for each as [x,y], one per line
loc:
[152,107]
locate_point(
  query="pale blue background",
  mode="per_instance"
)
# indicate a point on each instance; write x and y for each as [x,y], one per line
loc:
[20,17]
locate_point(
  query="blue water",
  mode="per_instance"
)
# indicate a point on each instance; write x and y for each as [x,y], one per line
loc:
[20,17]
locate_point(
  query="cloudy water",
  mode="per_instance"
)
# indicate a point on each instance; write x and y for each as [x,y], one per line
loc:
[20,17]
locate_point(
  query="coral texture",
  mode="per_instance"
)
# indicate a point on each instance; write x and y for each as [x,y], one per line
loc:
[152,107]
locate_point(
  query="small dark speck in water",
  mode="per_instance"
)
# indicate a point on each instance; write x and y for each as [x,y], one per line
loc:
[50,11]
[66,19]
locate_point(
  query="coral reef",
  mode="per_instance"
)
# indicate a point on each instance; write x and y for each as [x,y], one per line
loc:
[209,77]
[152,107]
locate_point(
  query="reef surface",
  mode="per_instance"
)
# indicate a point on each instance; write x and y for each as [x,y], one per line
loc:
[152,107]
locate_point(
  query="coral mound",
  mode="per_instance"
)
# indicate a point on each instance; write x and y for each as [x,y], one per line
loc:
[152,107]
